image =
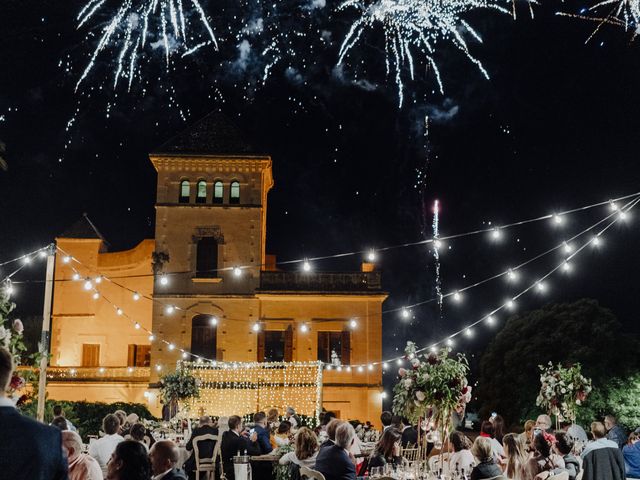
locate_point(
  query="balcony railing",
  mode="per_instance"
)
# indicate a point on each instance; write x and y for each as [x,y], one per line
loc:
[321,281]
[97,374]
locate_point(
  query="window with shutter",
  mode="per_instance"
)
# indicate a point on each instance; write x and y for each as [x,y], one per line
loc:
[288,344]
[207,258]
[203,337]
[90,355]
[329,342]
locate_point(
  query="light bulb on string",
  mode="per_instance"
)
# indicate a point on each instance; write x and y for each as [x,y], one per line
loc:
[596,241]
[385,366]
[433,348]
[360,369]
[399,361]
[437,244]
[566,266]
[349,368]
[137,326]
[541,286]
[449,342]
[490,320]
[119,311]
[339,368]
[164,280]
[171,346]
[185,355]
[512,275]
[66,259]
[130,369]
[96,295]
[42,254]
[329,367]
[158,368]
[613,205]
[136,296]
[353,323]
[75,277]
[567,248]
[468,332]
[237,271]
[306,266]
[304,328]
[213,321]
[370,367]
[510,304]
[371,256]
[152,337]
[457,296]
[496,234]
[88,285]
[256,327]
[26,260]
[169,309]
[557,219]
[405,313]
[101,370]
[623,215]
[98,279]
[383,395]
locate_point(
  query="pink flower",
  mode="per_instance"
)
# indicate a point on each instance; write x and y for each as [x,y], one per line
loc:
[402,372]
[17,326]
[17,382]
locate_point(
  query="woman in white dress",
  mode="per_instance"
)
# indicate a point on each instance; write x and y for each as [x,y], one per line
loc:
[306,449]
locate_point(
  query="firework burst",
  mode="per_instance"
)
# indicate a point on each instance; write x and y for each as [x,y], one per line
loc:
[415,26]
[621,13]
[137,27]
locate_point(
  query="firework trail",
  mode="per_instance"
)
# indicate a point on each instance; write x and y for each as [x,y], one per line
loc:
[136,26]
[621,13]
[436,253]
[415,25]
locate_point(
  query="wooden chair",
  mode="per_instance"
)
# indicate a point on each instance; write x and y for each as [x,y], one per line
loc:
[410,454]
[205,465]
[308,473]
[147,441]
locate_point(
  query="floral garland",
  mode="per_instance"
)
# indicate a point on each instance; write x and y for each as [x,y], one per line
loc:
[434,386]
[562,390]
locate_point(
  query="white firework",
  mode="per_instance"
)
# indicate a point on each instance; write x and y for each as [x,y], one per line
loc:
[621,13]
[415,25]
[135,27]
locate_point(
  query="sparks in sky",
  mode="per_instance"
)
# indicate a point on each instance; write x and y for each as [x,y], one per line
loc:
[415,25]
[621,13]
[136,27]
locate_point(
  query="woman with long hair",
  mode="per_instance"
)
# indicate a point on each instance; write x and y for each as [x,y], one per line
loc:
[282,433]
[498,427]
[515,450]
[306,449]
[129,461]
[461,460]
[387,450]
[543,460]
[486,466]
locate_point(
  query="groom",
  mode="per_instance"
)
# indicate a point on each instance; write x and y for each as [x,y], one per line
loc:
[29,450]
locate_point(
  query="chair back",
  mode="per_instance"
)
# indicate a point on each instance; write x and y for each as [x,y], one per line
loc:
[146,440]
[308,473]
[411,454]
[204,462]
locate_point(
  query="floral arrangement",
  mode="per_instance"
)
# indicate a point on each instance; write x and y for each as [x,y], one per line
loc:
[562,390]
[11,338]
[434,386]
[179,385]
[282,472]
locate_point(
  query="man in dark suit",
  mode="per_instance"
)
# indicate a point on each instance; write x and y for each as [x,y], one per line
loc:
[234,443]
[331,433]
[205,448]
[164,456]
[409,434]
[334,461]
[29,450]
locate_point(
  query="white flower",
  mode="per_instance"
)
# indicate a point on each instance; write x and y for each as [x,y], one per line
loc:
[415,362]
[407,383]
[17,326]
[420,396]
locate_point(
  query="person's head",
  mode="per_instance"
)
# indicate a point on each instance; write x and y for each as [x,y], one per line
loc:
[487,428]
[164,455]
[564,443]
[235,423]
[406,422]
[345,435]
[458,441]
[284,427]
[291,411]
[396,422]
[543,422]
[386,418]
[498,427]
[205,420]
[306,443]
[542,443]
[387,442]
[609,422]
[58,411]
[137,432]
[110,424]
[72,443]
[129,461]
[59,422]
[131,419]
[634,437]
[6,369]
[332,427]
[272,415]
[481,449]
[598,430]
[516,452]
[327,417]
[260,418]
[528,428]
[122,416]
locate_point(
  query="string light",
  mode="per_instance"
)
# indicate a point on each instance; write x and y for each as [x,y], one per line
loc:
[88,285]
[496,234]
[437,244]
[304,328]
[164,280]
[306,266]
[360,369]
[510,304]
[185,355]
[26,260]
[371,256]
[136,296]
[152,337]
[329,367]
[540,286]
[490,320]
[385,366]
[75,277]
[256,327]
[171,346]
[623,216]
[567,248]
[96,295]
[169,309]
[457,296]
[557,219]
[348,368]
[237,271]
[405,313]
[449,342]
[73,371]
[353,323]
[42,254]
[399,361]
[119,311]
[383,395]
[512,276]
[370,367]
[10,289]
[101,370]
[566,266]
[130,369]
[137,326]
[66,259]
[468,332]
[213,321]
[613,205]
[98,279]
[158,368]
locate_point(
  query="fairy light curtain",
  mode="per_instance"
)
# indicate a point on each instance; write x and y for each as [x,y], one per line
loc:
[239,388]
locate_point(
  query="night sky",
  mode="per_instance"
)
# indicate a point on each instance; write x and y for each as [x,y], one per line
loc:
[556,127]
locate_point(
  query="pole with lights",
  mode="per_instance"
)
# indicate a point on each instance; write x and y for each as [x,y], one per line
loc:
[46,327]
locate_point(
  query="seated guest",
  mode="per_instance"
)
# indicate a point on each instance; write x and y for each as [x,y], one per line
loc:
[122,418]
[102,448]
[260,425]
[60,422]
[527,434]
[563,447]
[602,458]
[631,454]
[486,431]
[486,466]
[273,419]
[575,431]
[234,443]
[129,422]
[334,461]
[409,434]
[515,450]
[137,433]
[292,418]
[498,427]
[206,447]
[543,460]
[282,433]
[81,465]
[387,450]
[129,461]
[59,412]
[615,432]
[164,456]
[461,460]
[385,419]
[28,449]
[396,422]
[330,432]
[322,432]
[306,449]
[543,422]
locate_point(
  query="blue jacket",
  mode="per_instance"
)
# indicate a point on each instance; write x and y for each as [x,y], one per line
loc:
[631,454]
[334,463]
[29,450]
[263,440]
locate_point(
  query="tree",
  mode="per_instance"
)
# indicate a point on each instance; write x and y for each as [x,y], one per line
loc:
[582,331]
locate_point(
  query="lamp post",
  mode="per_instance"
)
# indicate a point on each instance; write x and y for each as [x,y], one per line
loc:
[46,326]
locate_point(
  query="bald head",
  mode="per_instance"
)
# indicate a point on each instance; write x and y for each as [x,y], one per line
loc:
[164,455]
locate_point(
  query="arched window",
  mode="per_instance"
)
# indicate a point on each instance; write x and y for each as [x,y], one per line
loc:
[185,191]
[203,337]
[218,192]
[201,196]
[207,258]
[235,192]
